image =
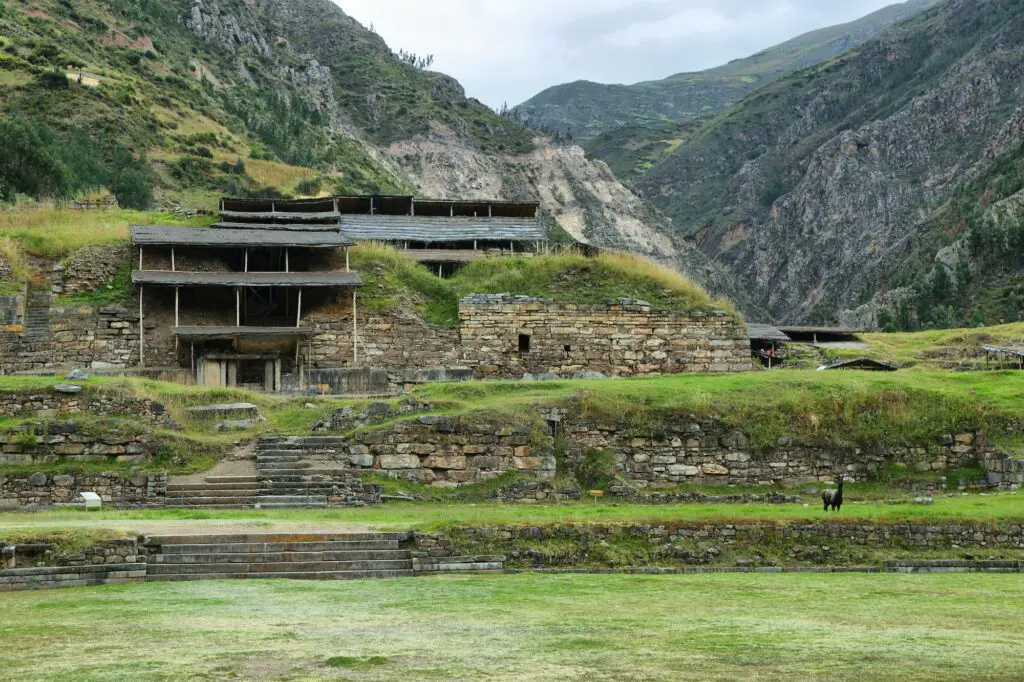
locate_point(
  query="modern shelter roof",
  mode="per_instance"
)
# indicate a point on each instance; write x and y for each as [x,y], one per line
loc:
[444,255]
[765,332]
[234,332]
[248,279]
[443,229]
[232,237]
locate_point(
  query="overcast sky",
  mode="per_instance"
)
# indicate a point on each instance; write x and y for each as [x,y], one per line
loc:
[509,50]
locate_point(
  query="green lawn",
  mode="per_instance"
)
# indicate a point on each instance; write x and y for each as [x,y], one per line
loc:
[527,627]
[1004,507]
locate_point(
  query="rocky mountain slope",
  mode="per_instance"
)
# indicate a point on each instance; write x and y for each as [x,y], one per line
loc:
[257,96]
[888,178]
[585,109]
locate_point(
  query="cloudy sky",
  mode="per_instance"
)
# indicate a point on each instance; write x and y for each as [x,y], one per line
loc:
[509,50]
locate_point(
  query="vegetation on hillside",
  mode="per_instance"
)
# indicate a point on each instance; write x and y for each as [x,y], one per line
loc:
[193,107]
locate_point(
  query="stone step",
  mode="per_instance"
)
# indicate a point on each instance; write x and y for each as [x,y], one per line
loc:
[182,487]
[282,557]
[272,454]
[282,567]
[284,474]
[300,441]
[204,498]
[319,575]
[291,499]
[233,479]
[263,538]
[288,466]
[271,547]
[214,492]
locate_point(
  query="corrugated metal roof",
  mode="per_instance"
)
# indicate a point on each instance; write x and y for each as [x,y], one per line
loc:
[436,230]
[232,332]
[283,227]
[248,279]
[443,255]
[153,235]
[765,332]
[841,331]
[280,216]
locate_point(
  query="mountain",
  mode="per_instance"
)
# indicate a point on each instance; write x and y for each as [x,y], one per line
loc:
[585,109]
[886,183]
[186,100]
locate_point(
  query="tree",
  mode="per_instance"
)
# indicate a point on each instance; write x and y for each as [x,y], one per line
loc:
[134,189]
[28,165]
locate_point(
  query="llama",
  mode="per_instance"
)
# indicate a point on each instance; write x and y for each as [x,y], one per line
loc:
[833,498]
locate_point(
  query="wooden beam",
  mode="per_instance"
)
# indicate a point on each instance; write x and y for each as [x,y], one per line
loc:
[177,301]
[238,307]
[247,260]
[287,266]
[298,314]
[173,268]
[140,258]
[346,260]
[142,330]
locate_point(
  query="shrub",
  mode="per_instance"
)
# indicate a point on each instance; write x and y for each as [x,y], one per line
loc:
[596,471]
[134,189]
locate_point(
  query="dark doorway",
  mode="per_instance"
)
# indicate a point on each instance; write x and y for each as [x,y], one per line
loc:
[524,343]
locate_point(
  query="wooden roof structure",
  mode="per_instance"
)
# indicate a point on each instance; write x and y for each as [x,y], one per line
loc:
[863,364]
[765,332]
[443,255]
[155,235]
[247,279]
[434,230]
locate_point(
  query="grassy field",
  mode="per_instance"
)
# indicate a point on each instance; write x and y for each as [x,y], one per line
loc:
[930,349]
[527,627]
[1003,507]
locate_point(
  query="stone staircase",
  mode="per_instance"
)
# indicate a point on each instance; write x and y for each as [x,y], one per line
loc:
[36,324]
[334,556]
[291,472]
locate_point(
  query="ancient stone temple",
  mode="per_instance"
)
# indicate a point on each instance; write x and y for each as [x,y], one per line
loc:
[237,289]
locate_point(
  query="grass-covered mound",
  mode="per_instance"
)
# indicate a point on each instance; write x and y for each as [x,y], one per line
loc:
[393,279]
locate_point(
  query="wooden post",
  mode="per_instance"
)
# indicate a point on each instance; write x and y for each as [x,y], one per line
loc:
[412,206]
[371,205]
[238,307]
[193,344]
[346,260]
[142,328]
[439,269]
[451,210]
[287,266]
[298,315]
[173,268]
[474,245]
[176,306]
[247,260]
[140,258]
[355,331]
[512,248]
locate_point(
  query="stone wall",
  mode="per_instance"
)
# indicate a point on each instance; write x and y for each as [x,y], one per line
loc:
[825,543]
[92,267]
[65,337]
[391,341]
[23,490]
[62,442]
[440,450]
[707,452]
[507,336]
[96,402]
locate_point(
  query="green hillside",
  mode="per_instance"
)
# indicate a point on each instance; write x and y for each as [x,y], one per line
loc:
[204,99]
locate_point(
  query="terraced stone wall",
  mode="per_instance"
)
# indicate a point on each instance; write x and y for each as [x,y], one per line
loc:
[27,490]
[708,452]
[95,402]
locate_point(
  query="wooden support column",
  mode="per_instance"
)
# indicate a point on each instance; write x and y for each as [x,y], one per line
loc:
[355,331]
[298,314]
[177,304]
[238,307]
[512,247]
[247,260]
[287,265]
[193,344]
[474,245]
[142,328]
[346,260]
[490,211]
[173,268]
[412,206]
[140,258]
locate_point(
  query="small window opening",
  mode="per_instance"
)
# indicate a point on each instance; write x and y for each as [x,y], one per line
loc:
[567,349]
[524,343]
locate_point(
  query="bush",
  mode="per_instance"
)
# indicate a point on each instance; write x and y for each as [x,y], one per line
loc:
[309,187]
[53,80]
[134,189]
[596,471]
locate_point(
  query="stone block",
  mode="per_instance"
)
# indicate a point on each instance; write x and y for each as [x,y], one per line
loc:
[445,462]
[399,462]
